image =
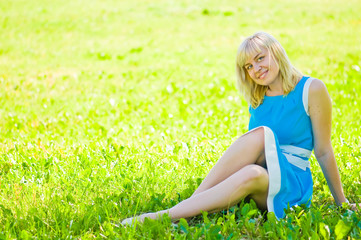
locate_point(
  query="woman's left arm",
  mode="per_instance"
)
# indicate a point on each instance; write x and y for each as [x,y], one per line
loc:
[320,110]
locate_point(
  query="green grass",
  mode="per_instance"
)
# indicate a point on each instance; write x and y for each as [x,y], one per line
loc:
[113,108]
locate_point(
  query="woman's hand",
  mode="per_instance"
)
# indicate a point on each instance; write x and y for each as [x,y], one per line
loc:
[355,206]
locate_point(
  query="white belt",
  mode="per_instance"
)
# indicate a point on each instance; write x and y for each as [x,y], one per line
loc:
[294,154]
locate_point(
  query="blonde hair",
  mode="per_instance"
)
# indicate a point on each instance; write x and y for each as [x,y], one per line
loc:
[253,92]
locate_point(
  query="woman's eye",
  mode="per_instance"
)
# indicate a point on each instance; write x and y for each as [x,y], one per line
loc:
[260,59]
[249,67]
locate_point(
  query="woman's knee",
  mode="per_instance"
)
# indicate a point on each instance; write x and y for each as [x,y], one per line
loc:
[255,179]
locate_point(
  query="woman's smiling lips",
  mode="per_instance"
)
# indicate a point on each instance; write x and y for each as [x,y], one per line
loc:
[262,75]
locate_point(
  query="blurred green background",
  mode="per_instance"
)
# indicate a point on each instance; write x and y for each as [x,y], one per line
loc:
[122,100]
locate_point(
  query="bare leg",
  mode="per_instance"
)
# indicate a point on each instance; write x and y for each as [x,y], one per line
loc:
[248,149]
[238,173]
[251,180]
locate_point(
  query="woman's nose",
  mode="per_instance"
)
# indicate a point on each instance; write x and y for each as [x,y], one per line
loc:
[257,67]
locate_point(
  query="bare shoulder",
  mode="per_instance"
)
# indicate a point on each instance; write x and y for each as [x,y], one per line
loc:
[317,86]
[319,98]
[318,90]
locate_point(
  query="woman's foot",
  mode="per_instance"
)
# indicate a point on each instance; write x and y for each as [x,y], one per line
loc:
[139,219]
[128,221]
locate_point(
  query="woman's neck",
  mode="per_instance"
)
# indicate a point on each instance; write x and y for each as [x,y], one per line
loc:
[275,89]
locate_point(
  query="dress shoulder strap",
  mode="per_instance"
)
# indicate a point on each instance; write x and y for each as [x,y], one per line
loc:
[305,94]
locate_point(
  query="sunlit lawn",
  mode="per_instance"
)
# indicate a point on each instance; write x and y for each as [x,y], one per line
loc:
[115,108]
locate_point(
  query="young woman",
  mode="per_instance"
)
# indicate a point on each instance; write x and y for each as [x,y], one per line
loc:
[290,115]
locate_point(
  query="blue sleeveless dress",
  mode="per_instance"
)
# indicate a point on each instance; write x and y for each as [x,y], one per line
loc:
[288,146]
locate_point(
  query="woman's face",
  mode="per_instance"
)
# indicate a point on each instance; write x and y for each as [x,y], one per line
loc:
[262,68]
